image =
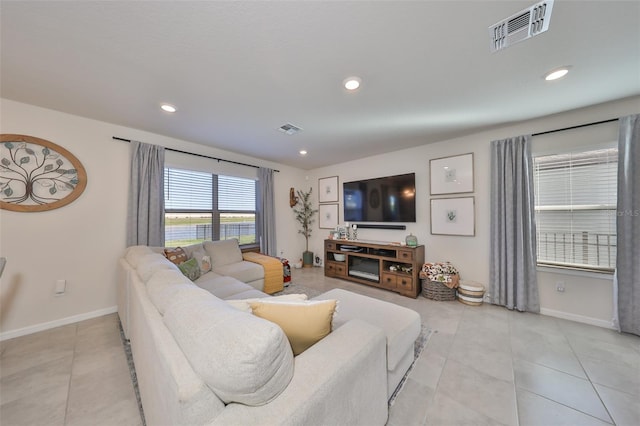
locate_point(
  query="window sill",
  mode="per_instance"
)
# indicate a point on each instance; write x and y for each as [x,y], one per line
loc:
[603,275]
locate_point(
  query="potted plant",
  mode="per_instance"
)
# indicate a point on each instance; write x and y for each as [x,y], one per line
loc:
[304,215]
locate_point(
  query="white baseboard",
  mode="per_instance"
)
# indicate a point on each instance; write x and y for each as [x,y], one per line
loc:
[57,323]
[577,318]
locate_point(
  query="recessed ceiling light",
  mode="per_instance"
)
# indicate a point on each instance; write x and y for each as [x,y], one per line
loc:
[303,152]
[556,74]
[352,83]
[168,108]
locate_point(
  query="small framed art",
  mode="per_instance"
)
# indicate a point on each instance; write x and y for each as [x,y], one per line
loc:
[453,216]
[451,175]
[328,216]
[328,189]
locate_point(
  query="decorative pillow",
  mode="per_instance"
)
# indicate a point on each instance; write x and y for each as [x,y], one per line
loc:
[203,259]
[190,269]
[244,305]
[304,323]
[176,255]
[241,357]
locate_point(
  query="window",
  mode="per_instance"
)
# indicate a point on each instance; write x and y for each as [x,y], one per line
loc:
[203,206]
[575,206]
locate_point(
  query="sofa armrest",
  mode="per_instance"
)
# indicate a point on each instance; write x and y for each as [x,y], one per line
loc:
[340,380]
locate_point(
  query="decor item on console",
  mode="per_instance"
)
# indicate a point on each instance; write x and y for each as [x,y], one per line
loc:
[411,240]
[439,281]
[37,175]
[304,215]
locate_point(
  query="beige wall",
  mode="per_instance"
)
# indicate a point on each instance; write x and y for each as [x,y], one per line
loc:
[587,298]
[82,241]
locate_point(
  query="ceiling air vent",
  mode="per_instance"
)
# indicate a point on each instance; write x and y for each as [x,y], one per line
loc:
[525,24]
[289,129]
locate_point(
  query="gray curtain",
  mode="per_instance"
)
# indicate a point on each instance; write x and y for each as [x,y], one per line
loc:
[513,231]
[628,225]
[145,214]
[267,212]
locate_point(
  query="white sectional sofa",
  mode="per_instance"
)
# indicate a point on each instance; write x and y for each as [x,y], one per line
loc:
[200,361]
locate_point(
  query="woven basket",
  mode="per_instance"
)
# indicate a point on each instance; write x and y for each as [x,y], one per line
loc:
[437,291]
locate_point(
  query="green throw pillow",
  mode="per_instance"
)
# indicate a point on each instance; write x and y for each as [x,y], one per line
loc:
[190,269]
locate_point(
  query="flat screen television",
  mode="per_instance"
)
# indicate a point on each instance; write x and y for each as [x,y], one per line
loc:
[385,199]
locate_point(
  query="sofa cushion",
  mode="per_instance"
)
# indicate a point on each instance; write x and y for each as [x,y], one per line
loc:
[243,271]
[176,255]
[203,259]
[190,269]
[225,287]
[135,253]
[223,252]
[401,325]
[241,357]
[149,264]
[304,323]
[168,286]
[244,305]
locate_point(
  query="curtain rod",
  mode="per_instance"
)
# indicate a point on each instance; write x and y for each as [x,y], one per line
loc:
[199,155]
[575,127]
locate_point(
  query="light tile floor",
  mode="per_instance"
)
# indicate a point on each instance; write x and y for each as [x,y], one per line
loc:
[71,375]
[483,365]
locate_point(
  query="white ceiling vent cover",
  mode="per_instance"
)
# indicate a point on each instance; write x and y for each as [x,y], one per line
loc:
[520,26]
[289,129]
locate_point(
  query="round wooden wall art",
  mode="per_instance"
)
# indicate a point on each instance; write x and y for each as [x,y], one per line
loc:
[37,175]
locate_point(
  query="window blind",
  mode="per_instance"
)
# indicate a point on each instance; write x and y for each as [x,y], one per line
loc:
[575,203]
[187,190]
[236,194]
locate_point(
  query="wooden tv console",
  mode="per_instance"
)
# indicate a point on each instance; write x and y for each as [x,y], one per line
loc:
[389,266]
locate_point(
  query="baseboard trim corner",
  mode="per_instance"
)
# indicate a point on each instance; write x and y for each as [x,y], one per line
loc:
[577,318]
[6,335]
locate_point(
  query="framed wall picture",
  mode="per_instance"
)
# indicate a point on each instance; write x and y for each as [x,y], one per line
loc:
[37,175]
[328,216]
[453,216]
[328,189]
[451,175]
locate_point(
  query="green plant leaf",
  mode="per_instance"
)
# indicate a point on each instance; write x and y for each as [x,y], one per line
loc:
[52,190]
[8,192]
[9,145]
[24,160]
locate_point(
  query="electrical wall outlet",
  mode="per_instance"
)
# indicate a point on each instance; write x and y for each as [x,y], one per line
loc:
[560,286]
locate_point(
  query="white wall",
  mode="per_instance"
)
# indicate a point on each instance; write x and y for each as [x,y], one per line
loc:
[587,298]
[82,241]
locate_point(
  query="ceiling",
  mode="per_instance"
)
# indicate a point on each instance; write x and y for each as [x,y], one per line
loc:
[239,70]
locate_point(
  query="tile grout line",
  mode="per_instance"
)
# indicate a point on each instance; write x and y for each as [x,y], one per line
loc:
[564,333]
[73,359]
[513,368]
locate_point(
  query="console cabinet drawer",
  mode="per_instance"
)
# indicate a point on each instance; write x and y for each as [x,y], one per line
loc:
[329,245]
[405,255]
[404,284]
[389,280]
[335,269]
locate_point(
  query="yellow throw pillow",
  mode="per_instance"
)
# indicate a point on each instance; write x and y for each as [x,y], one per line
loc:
[304,323]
